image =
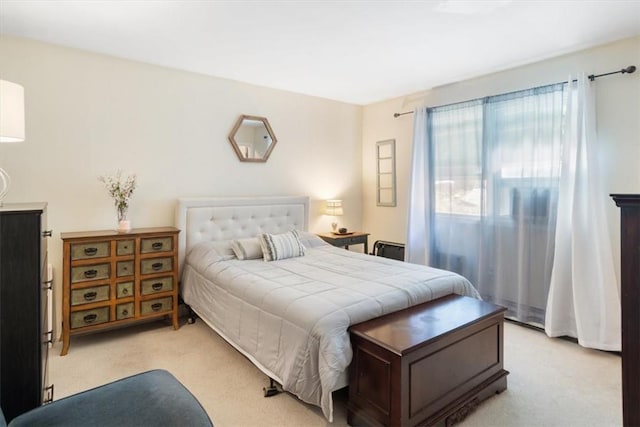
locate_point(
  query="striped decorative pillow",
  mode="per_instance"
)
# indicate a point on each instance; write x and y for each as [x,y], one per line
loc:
[281,246]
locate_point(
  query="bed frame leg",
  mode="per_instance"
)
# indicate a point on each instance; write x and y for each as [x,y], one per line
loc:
[272,390]
[192,316]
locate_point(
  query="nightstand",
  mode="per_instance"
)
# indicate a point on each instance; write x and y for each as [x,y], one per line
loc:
[345,240]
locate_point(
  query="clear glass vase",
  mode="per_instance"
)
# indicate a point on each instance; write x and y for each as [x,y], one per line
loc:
[122,213]
[124,225]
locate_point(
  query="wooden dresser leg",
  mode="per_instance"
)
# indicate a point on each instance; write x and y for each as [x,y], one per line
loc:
[176,324]
[65,345]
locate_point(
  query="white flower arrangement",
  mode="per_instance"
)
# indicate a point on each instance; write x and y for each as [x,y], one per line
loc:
[121,190]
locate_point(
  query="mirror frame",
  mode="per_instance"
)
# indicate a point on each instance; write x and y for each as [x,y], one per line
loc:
[390,145]
[236,146]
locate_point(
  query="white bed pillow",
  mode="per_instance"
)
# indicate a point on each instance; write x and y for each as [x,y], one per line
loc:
[247,248]
[310,240]
[281,246]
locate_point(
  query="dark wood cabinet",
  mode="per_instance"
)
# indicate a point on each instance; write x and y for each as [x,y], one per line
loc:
[24,337]
[630,302]
[430,364]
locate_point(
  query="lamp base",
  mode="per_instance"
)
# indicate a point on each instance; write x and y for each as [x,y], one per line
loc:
[5,182]
[334,226]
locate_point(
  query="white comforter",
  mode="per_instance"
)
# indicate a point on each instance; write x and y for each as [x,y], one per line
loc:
[292,315]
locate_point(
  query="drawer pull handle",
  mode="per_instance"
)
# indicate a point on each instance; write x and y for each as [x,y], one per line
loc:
[49,394]
[48,337]
[156,266]
[156,246]
[156,286]
[90,318]
[125,312]
[90,251]
[90,296]
[90,274]
[125,291]
[156,307]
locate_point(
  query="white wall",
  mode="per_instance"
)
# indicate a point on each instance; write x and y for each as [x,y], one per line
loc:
[618,123]
[89,114]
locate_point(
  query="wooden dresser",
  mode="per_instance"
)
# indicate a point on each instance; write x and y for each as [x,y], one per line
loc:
[630,303]
[24,335]
[113,279]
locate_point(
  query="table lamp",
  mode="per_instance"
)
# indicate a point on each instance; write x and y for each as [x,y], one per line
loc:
[334,208]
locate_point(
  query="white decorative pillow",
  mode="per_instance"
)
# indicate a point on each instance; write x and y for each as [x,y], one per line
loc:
[247,248]
[281,246]
[310,240]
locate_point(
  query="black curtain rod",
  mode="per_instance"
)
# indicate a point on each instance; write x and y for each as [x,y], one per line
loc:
[628,70]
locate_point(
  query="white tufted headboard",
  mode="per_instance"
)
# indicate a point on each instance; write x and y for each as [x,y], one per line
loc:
[215,219]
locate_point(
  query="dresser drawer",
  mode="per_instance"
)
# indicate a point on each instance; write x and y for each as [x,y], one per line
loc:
[124,290]
[152,286]
[89,272]
[125,247]
[87,295]
[89,250]
[156,265]
[157,305]
[353,240]
[124,311]
[157,244]
[124,268]
[84,318]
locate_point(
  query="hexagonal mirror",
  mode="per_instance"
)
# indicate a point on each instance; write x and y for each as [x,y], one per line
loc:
[252,138]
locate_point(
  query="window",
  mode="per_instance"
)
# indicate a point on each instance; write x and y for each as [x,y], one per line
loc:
[498,155]
[457,156]
[495,168]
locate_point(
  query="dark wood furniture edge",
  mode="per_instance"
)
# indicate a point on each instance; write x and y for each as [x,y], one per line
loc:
[416,308]
[453,413]
[630,301]
[24,330]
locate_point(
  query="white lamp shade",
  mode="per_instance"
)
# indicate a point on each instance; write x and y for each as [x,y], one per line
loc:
[334,207]
[11,112]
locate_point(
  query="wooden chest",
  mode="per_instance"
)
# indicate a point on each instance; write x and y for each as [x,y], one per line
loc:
[113,279]
[426,365]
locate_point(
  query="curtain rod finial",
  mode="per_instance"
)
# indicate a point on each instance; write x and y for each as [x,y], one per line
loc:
[630,69]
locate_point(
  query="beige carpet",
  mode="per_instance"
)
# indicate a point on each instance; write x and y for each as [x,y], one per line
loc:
[552,382]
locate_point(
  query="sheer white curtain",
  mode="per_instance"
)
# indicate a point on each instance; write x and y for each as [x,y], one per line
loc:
[523,142]
[505,191]
[418,249]
[584,300]
[484,194]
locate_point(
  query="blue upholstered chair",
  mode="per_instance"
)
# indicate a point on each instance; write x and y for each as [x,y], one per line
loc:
[152,398]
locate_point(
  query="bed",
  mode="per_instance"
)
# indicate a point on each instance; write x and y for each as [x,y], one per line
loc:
[290,317]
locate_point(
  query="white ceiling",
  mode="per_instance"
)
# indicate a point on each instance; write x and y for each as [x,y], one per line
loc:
[353,51]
